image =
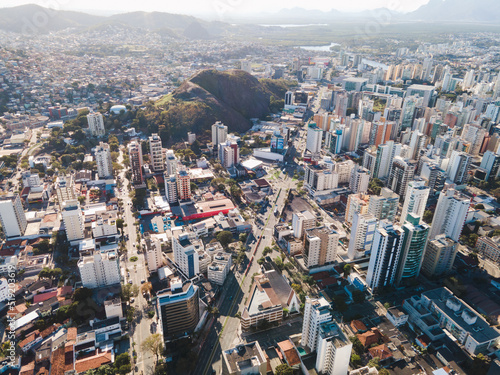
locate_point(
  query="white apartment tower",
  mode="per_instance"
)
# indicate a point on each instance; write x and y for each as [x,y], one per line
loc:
[333,350]
[362,232]
[450,214]
[385,206]
[171,189]
[302,221]
[96,124]
[73,220]
[153,254]
[316,311]
[156,152]
[171,162]
[415,200]
[12,216]
[185,249]
[219,133]
[103,160]
[99,270]
[360,178]
[314,138]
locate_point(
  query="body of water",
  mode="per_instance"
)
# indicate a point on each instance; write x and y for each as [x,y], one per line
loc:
[320,48]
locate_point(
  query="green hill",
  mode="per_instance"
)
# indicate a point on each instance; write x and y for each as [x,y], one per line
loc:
[233,97]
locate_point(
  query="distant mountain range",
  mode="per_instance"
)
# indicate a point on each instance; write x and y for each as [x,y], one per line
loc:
[34,19]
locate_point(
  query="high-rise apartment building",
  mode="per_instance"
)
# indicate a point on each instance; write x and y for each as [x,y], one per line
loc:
[73,220]
[385,205]
[385,256]
[314,138]
[320,246]
[319,178]
[416,199]
[12,216]
[156,153]
[178,309]
[412,253]
[185,248]
[103,161]
[219,133]
[458,167]
[356,203]
[171,189]
[183,185]
[360,179]
[96,124]
[333,350]
[171,163]
[153,253]
[439,256]
[384,159]
[302,221]
[450,214]
[229,154]
[491,164]
[402,172]
[362,232]
[99,269]
[135,157]
[316,311]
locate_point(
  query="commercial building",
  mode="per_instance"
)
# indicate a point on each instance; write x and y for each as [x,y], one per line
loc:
[362,232]
[385,205]
[135,157]
[385,256]
[458,319]
[416,199]
[333,351]
[320,246]
[103,161]
[96,124]
[244,359]
[73,220]
[178,309]
[156,153]
[489,248]
[450,214]
[439,256]
[12,216]
[99,269]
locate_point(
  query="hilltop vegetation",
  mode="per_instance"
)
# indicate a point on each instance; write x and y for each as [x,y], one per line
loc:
[233,97]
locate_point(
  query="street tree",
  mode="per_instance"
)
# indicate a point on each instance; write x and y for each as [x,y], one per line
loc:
[154,345]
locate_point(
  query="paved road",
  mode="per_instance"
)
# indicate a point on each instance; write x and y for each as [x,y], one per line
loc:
[140,330]
[225,332]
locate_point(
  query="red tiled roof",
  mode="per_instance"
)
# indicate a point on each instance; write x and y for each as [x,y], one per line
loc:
[44,296]
[370,337]
[90,363]
[381,351]
[57,362]
[30,338]
[28,369]
[358,325]
[291,355]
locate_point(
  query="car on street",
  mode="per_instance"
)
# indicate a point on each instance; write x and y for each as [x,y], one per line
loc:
[130,281]
[143,281]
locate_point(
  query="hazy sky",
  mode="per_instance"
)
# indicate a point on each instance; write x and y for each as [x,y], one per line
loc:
[219,7]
